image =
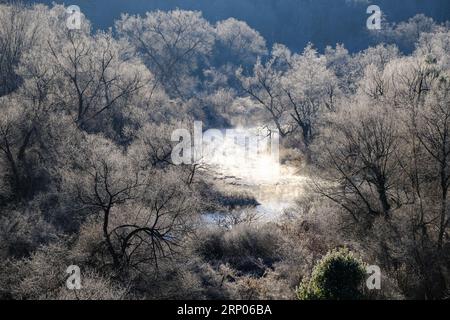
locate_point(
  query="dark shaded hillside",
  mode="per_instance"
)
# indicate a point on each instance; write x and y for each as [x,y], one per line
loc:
[291,22]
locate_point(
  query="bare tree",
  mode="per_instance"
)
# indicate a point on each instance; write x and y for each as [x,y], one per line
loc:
[97,77]
[146,212]
[265,86]
[310,91]
[18,34]
[172,43]
[361,164]
[434,135]
[239,41]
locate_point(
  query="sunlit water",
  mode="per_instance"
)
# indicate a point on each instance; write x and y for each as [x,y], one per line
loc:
[235,162]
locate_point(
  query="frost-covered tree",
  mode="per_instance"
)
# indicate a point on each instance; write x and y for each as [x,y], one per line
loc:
[434,136]
[362,161]
[19,32]
[265,86]
[96,75]
[407,33]
[341,62]
[145,212]
[311,89]
[173,44]
[238,43]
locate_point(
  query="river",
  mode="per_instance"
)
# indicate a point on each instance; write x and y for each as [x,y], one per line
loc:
[274,185]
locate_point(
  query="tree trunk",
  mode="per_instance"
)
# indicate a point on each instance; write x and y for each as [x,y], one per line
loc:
[108,238]
[443,220]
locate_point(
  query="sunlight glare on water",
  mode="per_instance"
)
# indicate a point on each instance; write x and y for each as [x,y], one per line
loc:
[249,155]
[274,186]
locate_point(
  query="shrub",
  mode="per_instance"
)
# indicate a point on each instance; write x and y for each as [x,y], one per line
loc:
[247,249]
[93,287]
[337,276]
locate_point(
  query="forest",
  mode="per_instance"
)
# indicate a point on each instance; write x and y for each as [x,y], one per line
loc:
[88,179]
[293,23]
